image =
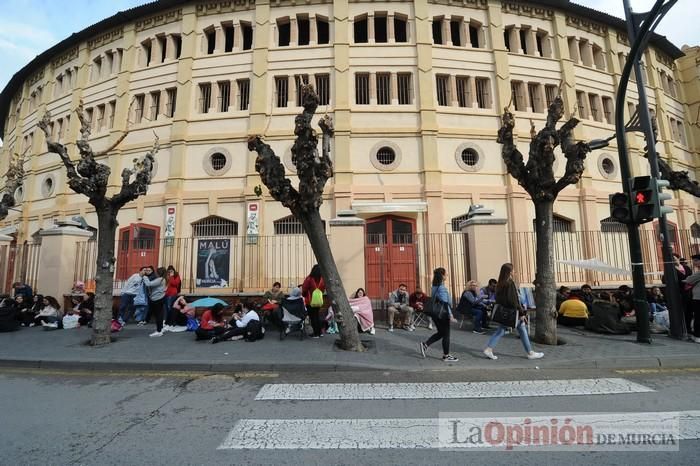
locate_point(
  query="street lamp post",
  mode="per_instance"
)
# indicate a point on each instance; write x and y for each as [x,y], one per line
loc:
[670,278]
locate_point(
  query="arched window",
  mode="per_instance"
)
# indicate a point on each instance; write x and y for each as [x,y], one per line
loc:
[457,221]
[695,230]
[610,225]
[290,226]
[214,226]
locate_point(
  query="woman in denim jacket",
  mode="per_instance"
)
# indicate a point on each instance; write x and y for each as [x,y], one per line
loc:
[439,291]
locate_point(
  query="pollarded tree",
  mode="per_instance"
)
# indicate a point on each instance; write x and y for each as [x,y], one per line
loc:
[90,178]
[537,178]
[314,170]
[13,180]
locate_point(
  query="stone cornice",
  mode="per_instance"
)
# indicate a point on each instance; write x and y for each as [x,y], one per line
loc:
[62,59]
[160,20]
[528,10]
[106,38]
[587,25]
[215,8]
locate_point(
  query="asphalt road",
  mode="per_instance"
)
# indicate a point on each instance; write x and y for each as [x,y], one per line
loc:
[111,418]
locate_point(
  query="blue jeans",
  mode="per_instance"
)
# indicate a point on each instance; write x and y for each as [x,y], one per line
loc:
[126,306]
[522,330]
[479,316]
[141,311]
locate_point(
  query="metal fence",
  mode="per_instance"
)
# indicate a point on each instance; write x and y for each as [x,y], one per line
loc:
[19,263]
[609,247]
[245,264]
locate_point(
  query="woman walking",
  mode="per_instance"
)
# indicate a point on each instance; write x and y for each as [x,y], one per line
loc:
[314,285]
[507,296]
[157,288]
[442,323]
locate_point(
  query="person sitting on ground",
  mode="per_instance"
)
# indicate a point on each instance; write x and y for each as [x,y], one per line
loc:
[24,311]
[272,298]
[51,315]
[657,301]
[417,301]
[24,290]
[623,297]
[362,310]
[587,295]
[212,323]
[573,311]
[398,303]
[86,309]
[245,323]
[562,295]
[186,315]
[9,320]
[605,316]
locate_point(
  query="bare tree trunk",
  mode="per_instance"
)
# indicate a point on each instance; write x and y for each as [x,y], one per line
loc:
[102,322]
[545,294]
[349,337]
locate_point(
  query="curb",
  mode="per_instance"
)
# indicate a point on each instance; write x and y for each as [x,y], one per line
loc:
[666,362]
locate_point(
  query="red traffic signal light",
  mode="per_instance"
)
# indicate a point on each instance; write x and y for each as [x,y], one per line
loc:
[642,197]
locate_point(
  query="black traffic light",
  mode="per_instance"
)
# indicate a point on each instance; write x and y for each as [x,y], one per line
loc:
[646,196]
[620,208]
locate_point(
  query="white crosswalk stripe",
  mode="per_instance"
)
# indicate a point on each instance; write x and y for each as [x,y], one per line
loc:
[461,390]
[370,434]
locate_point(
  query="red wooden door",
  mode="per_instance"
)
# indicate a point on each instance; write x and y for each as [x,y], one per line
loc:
[390,255]
[138,247]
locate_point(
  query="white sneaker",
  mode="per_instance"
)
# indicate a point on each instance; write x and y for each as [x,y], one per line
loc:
[372,331]
[430,326]
[178,328]
[696,339]
[391,329]
[166,328]
[535,355]
[489,354]
[141,323]
[156,334]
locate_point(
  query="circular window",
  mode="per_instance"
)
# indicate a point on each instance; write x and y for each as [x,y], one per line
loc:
[217,161]
[48,186]
[469,157]
[606,166]
[386,156]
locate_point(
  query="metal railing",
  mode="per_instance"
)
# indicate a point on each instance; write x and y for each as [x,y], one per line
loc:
[19,263]
[242,264]
[611,248]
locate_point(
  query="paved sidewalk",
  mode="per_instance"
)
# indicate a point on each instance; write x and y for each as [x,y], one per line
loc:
[134,350]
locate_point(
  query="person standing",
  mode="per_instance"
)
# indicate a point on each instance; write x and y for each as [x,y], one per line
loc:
[683,272]
[171,292]
[156,289]
[507,296]
[694,280]
[129,292]
[442,325]
[311,284]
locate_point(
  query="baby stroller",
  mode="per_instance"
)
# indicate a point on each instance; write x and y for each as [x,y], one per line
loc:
[293,317]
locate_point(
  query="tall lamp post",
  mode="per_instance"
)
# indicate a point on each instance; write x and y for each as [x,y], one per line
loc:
[639,35]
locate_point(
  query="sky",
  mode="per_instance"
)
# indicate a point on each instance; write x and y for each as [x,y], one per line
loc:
[29,27]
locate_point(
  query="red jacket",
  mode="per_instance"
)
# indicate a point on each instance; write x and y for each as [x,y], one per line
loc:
[309,286]
[206,318]
[173,286]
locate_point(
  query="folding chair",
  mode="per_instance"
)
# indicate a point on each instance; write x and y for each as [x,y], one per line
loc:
[420,318]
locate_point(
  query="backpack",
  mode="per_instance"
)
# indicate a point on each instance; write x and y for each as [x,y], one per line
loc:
[254,331]
[316,298]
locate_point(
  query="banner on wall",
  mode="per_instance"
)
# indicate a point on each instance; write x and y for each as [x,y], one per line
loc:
[253,219]
[170,226]
[213,261]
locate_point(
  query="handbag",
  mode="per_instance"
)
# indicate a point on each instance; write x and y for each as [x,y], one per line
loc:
[507,316]
[436,309]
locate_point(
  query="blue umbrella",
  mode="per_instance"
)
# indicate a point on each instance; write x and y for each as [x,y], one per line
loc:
[208,302]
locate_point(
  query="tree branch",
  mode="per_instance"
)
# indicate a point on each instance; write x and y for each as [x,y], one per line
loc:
[510,153]
[272,174]
[143,169]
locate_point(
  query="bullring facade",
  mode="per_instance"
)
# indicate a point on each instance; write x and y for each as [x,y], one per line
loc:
[415,89]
